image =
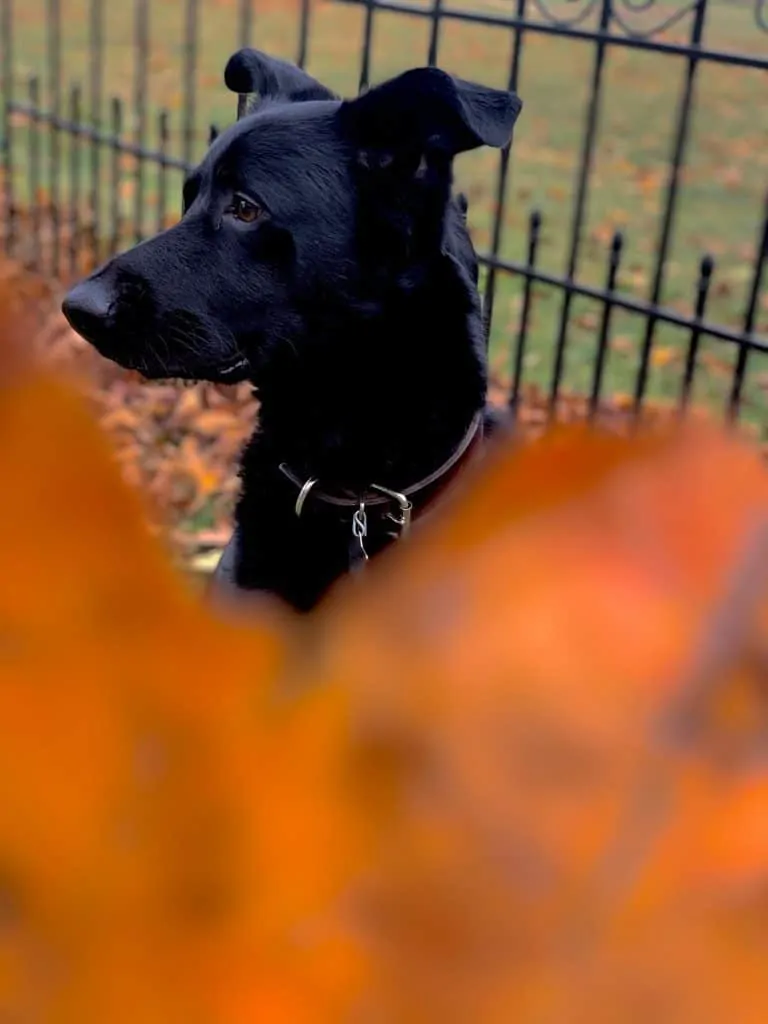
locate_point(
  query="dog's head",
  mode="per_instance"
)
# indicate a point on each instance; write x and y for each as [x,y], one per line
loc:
[306,203]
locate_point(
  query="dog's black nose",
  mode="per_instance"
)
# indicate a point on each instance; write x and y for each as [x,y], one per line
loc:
[86,307]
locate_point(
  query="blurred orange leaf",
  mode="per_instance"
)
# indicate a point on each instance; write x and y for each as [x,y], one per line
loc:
[515,773]
[649,179]
[664,355]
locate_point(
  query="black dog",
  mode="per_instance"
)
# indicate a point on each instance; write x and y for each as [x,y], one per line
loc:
[321,256]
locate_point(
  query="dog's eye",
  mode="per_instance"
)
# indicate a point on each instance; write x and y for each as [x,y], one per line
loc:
[245,210]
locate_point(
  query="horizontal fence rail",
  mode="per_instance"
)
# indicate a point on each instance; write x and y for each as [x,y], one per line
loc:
[87,169]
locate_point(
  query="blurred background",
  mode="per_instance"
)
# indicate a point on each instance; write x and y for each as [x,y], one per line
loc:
[623,239]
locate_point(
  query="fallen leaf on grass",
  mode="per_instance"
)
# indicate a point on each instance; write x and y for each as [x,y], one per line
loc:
[714,364]
[664,355]
[649,179]
[624,344]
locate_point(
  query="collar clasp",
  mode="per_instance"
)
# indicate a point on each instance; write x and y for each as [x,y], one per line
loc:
[405,508]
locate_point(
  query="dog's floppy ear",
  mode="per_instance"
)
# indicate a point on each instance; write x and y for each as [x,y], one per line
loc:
[427,109]
[251,71]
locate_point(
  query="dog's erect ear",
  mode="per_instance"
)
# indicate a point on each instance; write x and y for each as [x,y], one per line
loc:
[251,71]
[428,109]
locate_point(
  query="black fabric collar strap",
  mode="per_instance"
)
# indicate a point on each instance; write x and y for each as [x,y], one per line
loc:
[381,496]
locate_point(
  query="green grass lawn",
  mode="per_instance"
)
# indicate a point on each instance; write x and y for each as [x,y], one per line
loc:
[723,182]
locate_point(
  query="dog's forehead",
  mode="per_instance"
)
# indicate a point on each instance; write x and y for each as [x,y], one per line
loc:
[276,132]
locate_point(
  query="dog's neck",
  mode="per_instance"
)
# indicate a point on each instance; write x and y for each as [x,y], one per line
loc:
[383,393]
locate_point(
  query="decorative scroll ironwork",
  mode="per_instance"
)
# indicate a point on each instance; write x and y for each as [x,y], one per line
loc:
[586,8]
[622,12]
[619,13]
[659,27]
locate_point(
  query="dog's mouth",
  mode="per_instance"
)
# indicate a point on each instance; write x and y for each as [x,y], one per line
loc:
[236,371]
[233,371]
[229,373]
[179,346]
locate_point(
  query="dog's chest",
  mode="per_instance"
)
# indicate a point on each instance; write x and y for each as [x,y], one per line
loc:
[298,558]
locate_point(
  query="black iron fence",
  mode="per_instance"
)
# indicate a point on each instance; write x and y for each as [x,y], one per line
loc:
[621,293]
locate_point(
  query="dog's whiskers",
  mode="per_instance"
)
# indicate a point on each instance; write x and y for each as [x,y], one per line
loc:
[200,344]
[153,349]
[192,344]
[161,337]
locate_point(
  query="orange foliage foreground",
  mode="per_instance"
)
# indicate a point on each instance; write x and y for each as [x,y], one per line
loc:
[516,774]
